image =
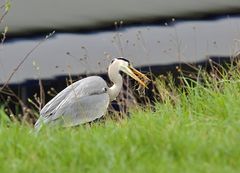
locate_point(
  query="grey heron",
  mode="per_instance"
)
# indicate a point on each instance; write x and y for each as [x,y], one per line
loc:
[87,99]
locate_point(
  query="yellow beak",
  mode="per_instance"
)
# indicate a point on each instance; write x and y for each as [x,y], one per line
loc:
[137,75]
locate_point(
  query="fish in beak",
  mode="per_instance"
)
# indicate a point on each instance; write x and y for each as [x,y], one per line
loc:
[137,75]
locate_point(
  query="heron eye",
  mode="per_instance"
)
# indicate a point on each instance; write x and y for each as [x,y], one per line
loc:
[112,61]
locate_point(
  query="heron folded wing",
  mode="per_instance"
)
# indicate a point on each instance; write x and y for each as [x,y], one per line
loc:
[87,86]
[76,98]
[81,110]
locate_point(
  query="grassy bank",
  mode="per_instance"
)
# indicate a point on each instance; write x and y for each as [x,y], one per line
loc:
[193,129]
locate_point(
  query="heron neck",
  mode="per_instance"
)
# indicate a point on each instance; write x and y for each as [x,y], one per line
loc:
[117,80]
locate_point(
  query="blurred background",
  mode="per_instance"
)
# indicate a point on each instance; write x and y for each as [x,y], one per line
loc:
[50,40]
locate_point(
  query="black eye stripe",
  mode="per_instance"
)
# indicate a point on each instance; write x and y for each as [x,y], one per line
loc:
[123,59]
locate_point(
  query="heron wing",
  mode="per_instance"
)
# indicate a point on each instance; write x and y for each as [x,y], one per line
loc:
[82,101]
[78,111]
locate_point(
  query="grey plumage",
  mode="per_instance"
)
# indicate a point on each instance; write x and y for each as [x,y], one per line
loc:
[87,99]
[81,102]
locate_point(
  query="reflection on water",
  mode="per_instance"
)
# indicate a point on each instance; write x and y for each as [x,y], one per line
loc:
[172,42]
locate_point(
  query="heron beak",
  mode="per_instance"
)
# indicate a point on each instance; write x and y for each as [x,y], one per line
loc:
[137,75]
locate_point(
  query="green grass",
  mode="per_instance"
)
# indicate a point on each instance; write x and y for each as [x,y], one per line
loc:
[196,130]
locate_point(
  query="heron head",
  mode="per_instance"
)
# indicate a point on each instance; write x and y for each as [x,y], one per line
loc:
[124,65]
